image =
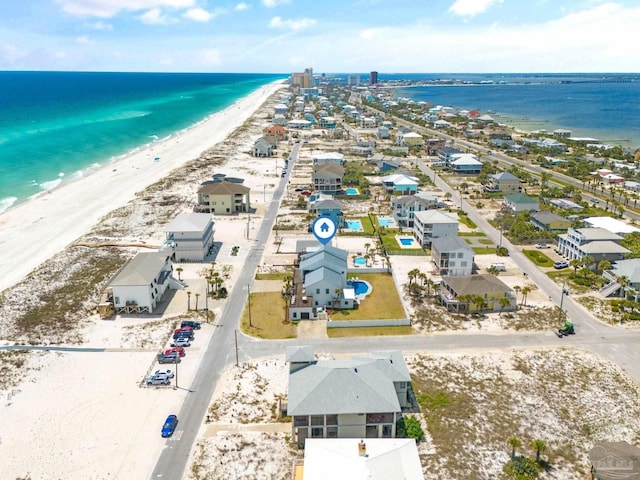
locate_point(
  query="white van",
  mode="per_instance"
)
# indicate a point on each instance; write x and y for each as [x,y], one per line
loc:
[500,267]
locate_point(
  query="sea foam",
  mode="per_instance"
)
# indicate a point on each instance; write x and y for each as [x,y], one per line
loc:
[6,203]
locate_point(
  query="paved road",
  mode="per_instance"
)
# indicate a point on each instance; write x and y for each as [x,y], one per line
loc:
[221,349]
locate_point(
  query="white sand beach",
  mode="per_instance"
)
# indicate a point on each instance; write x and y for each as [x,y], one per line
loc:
[36,230]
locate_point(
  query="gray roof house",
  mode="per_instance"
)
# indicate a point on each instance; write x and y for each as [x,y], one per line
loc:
[452,256]
[520,202]
[598,243]
[140,284]
[361,397]
[190,236]
[629,269]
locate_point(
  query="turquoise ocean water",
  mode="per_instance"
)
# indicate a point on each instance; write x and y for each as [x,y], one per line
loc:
[56,126]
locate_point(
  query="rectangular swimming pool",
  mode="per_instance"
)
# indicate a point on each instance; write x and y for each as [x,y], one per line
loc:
[355,225]
[352,191]
[406,242]
[383,222]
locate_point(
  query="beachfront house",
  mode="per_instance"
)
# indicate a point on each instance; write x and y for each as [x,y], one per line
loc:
[361,397]
[519,202]
[611,224]
[504,182]
[430,224]
[327,178]
[263,147]
[190,236]
[357,459]
[598,243]
[223,198]
[140,284]
[276,131]
[476,293]
[404,207]
[400,184]
[452,256]
[549,221]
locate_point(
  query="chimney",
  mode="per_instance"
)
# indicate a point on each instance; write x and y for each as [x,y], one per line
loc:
[362,449]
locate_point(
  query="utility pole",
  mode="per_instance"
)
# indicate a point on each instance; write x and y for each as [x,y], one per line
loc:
[249,302]
[206,298]
[562,294]
[236,338]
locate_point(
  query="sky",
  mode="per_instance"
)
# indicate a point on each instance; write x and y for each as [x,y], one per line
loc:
[331,36]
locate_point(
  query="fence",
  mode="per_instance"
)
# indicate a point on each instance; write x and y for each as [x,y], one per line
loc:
[383,322]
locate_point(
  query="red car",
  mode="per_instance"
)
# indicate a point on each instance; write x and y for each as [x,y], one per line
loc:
[179,350]
[305,192]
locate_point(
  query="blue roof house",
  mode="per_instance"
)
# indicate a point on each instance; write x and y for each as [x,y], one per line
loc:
[328,206]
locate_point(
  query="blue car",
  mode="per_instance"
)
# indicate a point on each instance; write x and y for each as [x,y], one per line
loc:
[169,426]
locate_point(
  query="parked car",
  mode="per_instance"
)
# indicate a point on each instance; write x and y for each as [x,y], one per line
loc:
[595,200]
[181,332]
[179,350]
[560,265]
[190,323]
[170,358]
[169,426]
[305,192]
[166,371]
[181,342]
[158,380]
[542,245]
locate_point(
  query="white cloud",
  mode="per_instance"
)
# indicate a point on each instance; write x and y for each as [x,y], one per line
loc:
[110,8]
[297,24]
[84,40]
[242,6]
[470,8]
[154,17]
[274,3]
[198,15]
[102,26]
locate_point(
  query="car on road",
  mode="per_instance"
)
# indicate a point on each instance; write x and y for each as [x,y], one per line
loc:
[190,323]
[181,342]
[489,152]
[158,380]
[595,200]
[542,245]
[169,426]
[170,358]
[179,350]
[561,264]
[166,371]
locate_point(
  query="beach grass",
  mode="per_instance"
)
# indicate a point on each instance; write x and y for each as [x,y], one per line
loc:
[267,317]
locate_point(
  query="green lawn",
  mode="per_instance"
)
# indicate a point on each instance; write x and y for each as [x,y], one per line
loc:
[484,250]
[272,276]
[390,244]
[466,220]
[472,234]
[367,226]
[267,317]
[539,258]
[382,302]
[485,241]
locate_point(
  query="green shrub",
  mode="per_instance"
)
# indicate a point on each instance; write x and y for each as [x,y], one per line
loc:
[522,468]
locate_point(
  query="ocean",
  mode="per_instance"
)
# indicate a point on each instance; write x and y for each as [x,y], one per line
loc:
[601,106]
[57,126]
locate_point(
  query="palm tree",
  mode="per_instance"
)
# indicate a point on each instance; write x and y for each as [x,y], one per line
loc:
[604,265]
[197,297]
[539,446]
[525,291]
[429,284]
[514,443]
[413,274]
[587,261]
[478,301]
[624,282]
[465,300]
[517,289]
[575,263]
[504,303]
[493,270]
[188,300]
[179,270]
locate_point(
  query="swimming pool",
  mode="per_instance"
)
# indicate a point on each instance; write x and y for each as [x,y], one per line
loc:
[406,241]
[361,288]
[360,261]
[355,225]
[383,222]
[352,191]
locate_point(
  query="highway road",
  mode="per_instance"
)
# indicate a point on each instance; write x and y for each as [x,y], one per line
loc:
[221,349]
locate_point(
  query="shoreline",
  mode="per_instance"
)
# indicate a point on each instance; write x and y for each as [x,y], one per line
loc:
[44,225]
